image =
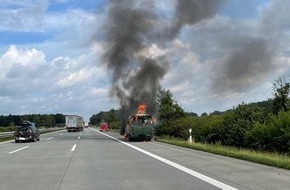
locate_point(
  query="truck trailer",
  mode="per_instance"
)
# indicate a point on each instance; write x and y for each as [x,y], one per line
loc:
[74,123]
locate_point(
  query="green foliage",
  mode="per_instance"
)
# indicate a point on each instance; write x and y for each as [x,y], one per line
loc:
[169,112]
[281,92]
[12,124]
[115,125]
[95,119]
[6,120]
[229,128]
[259,137]
[245,126]
[216,113]
[209,129]
[191,114]
[59,118]
[179,128]
[7,129]
[266,105]
[238,121]
[114,120]
[46,120]
[273,135]
[110,116]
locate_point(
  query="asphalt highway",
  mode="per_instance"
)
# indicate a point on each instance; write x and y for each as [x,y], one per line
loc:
[92,160]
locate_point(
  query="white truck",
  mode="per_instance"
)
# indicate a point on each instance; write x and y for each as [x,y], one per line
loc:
[74,123]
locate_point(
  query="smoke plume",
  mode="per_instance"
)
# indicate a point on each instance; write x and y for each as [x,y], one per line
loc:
[244,65]
[190,12]
[251,57]
[135,76]
[131,29]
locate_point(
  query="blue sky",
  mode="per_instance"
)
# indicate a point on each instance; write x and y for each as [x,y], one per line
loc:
[51,51]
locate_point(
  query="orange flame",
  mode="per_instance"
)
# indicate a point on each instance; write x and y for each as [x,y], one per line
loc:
[142,109]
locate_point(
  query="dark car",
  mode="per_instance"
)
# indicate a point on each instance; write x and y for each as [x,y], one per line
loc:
[26,132]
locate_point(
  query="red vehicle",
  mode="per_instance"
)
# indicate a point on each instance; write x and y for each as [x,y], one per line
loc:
[104,127]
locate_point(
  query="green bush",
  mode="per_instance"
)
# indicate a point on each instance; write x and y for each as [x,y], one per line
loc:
[7,129]
[246,126]
[115,125]
[180,128]
[272,135]
[260,137]
[210,129]
[204,129]
[238,121]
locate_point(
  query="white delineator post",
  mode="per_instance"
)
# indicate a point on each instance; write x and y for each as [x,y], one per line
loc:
[190,136]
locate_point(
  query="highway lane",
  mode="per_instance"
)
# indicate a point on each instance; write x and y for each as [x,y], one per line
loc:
[108,164]
[236,173]
[40,166]
[91,160]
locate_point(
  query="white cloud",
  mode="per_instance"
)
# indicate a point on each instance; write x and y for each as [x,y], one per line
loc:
[63,85]
[25,16]
[15,58]
[72,79]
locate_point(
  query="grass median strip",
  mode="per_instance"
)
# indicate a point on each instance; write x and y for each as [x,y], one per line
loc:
[266,158]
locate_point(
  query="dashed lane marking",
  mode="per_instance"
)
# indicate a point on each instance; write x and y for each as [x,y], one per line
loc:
[18,150]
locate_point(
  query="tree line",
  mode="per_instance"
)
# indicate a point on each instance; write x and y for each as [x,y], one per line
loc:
[45,120]
[261,125]
[111,117]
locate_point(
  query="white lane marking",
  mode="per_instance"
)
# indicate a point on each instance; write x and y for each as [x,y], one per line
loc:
[61,134]
[73,148]
[49,138]
[79,137]
[18,150]
[178,166]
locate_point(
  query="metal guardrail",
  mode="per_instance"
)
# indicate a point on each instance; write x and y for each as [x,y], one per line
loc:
[6,134]
[11,133]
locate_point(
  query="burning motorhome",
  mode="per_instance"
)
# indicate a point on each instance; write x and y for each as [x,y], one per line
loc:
[140,125]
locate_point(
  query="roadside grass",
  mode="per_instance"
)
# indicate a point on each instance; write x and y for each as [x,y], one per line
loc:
[266,158]
[7,129]
[6,139]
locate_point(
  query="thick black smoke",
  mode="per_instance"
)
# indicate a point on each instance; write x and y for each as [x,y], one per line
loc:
[135,77]
[190,12]
[131,30]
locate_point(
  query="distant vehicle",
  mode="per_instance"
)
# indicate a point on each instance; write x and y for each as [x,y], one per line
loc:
[26,132]
[139,126]
[104,127]
[86,125]
[74,123]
